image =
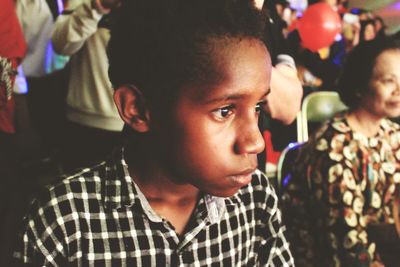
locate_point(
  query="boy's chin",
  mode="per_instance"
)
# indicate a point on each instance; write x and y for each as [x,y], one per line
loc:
[222,193]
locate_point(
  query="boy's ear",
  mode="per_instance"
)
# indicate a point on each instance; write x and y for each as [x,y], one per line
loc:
[132,108]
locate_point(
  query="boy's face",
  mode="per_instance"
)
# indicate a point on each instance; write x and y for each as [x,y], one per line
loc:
[212,138]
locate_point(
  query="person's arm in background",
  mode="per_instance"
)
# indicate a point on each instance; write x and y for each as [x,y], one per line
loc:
[286,91]
[72,31]
[36,22]
[35,18]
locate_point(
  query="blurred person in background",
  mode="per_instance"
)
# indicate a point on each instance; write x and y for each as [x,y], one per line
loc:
[288,87]
[42,76]
[12,50]
[367,30]
[286,90]
[318,70]
[351,30]
[93,125]
[380,27]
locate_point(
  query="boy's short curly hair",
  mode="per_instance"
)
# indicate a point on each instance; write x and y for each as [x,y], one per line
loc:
[160,45]
[353,83]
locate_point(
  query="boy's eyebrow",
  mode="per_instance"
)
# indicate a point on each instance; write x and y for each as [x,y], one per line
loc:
[268,92]
[234,97]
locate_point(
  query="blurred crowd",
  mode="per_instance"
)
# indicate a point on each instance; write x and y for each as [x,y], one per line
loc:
[318,70]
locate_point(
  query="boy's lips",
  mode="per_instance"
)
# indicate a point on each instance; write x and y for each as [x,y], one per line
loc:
[242,178]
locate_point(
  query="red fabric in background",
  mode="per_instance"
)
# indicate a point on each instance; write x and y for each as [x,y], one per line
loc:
[7,110]
[272,155]
[12,42]
[12,47]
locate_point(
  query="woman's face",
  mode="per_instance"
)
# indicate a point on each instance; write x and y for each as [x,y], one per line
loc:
[369,32]
[383,99]
[378,25]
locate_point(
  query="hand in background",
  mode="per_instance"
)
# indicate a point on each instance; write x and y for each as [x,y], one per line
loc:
[377,264]
[259,4]
[286,93]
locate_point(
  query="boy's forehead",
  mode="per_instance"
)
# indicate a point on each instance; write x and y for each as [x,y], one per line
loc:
[232,44]
[238,66]
[226,53]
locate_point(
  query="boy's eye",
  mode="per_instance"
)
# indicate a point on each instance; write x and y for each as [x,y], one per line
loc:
[224,112]
[260,105]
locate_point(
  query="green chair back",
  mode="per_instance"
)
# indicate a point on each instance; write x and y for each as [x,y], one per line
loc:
[318,107]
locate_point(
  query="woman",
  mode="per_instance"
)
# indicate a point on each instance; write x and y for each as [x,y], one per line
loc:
[367,30]
[340,207]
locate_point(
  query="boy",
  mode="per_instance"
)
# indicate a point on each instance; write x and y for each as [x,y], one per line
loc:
[191,77]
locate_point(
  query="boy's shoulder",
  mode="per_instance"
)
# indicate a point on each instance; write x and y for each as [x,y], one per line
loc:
[105,184]
[84,184]
[81,181]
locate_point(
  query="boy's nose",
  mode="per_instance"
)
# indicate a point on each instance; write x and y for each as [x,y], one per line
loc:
[249,139]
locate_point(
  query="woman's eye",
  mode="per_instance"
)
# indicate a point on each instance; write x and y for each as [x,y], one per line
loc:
[224,112]
[388,81]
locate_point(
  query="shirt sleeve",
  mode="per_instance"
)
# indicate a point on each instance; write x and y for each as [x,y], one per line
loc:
[41,241]
[73,29]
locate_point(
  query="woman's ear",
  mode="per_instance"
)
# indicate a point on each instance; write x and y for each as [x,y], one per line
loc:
[132,108]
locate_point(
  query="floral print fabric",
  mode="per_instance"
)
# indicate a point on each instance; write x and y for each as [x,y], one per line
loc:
[342,182]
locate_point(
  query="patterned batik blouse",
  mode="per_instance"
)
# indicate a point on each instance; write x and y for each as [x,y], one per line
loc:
[343,181]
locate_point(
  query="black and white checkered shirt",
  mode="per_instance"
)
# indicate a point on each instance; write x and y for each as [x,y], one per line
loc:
[99,217]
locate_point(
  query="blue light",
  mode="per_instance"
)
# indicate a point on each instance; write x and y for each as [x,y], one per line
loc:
[286,180]
[292,145]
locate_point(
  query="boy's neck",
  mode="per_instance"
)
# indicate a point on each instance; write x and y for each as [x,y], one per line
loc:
[169,200]
[173,201]
[158,187]
[153,179]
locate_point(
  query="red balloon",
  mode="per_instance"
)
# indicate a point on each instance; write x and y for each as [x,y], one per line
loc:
[319,26]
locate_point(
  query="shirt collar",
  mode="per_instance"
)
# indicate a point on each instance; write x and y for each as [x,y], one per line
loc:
[121,190]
